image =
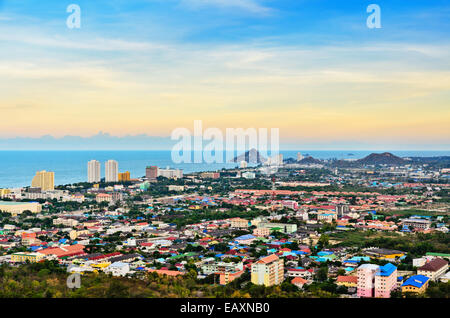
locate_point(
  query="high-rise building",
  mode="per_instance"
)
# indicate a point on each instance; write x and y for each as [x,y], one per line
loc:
[376,281]
[299,156]
[268,271]
[44,180]
[93,171]
[385,281]
[111,171]
[170,173]
[124,176]
[366,280]
[151,172]
[342,209]
[275,160]
[244,164]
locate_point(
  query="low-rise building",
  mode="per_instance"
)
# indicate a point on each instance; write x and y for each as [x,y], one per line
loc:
[434,268]
[415,284]
[24,257]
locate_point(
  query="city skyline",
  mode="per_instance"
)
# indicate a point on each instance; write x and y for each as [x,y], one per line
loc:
[311,68]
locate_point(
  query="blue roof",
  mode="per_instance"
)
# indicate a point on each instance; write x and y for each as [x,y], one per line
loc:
[416,281]
[386,270]
[359,258]
[245,237]
[323,253]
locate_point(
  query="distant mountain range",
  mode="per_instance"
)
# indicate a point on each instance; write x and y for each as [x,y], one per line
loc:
[385,158]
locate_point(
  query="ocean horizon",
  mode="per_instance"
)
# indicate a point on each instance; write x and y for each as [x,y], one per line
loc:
[18,167]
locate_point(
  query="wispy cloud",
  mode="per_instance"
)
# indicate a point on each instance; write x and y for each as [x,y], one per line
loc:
[251,6]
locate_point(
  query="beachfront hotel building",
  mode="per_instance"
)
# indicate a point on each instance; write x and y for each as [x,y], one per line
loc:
[151,173]
[93,171]
[170,173]
[16,208]
[124,176]
[45,180]
[111,171]
[268,271]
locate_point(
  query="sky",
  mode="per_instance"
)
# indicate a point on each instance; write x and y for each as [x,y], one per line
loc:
[311,68]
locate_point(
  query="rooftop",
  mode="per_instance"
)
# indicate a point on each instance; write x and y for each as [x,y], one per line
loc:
[386,270]
[416,281]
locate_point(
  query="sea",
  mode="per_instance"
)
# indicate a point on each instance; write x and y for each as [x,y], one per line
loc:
[17,168]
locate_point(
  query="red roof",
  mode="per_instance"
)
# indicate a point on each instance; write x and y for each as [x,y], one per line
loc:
[299,280]
[63,250]
[347,279]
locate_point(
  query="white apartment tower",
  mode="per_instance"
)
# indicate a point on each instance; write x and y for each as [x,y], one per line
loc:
[111,171]
[93,171]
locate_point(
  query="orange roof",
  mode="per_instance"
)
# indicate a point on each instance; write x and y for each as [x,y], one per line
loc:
[347,279]
[299,280]
[268,259]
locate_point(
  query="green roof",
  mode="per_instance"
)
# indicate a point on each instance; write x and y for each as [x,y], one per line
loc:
[14,203]
[438,254]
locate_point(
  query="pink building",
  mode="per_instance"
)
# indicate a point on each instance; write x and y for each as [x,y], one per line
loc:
[385,281]
[376,281]
[366,280]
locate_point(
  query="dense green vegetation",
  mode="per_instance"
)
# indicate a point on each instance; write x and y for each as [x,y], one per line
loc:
[415,244]
[47,279]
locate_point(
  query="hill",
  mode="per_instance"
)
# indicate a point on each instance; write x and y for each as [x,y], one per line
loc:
[251,156]
[385,158]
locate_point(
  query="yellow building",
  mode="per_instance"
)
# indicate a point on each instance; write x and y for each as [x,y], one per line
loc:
[382,253]
[347,281]
[23,257]
[124,176]
[16,208]
[44,180]
[74,234]
[239,223]
[268,271]
[415,284]
[4,192]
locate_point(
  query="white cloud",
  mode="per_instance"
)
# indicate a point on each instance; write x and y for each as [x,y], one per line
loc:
[252,6]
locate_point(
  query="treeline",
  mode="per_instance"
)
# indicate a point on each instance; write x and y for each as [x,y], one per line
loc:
[414,244]
[48,279]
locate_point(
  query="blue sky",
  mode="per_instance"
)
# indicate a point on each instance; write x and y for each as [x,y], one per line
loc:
[231,21]
[309,67]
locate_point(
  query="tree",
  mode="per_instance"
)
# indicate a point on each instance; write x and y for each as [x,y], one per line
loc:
[322,273]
